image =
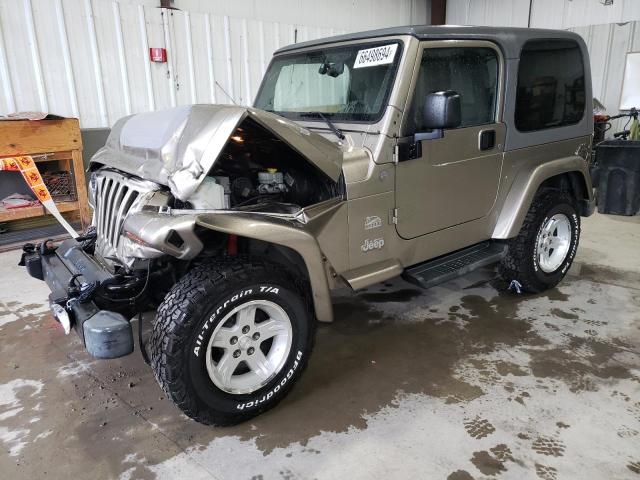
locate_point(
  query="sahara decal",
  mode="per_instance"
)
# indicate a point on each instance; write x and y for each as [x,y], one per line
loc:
[372,222]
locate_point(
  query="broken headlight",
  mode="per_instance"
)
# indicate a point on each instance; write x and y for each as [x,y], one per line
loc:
[93,184]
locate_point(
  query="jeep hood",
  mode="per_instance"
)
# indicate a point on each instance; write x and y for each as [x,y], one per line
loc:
[178,147]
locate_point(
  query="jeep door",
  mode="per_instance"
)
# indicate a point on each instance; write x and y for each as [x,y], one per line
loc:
[451,180]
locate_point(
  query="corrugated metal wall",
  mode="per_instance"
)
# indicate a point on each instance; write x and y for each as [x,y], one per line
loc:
[89,58]
[513,13]
[544,13]
[609,31]
[608,47]
[582,13]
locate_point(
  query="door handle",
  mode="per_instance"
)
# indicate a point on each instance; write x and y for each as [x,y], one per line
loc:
[487,139]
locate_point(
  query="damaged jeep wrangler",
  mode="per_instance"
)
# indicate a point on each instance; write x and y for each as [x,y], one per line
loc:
[422,152]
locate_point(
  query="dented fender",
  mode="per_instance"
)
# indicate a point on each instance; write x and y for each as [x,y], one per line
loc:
[291,234]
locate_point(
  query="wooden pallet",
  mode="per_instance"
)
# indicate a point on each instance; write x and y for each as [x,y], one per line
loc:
[55,145]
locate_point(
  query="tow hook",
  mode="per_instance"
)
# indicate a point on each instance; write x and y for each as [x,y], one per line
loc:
[47,247]
[27,249]
[84,293]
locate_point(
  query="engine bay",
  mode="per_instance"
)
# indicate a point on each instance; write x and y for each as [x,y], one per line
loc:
[256,168]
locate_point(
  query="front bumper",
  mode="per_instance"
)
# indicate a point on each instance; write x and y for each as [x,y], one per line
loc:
[105,333]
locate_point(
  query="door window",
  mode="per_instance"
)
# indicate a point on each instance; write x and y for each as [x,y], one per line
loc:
[470,71]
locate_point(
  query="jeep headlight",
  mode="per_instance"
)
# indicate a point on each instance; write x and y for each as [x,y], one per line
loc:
[93,184]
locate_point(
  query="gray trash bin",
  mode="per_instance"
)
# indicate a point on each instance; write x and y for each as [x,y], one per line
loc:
[619,177]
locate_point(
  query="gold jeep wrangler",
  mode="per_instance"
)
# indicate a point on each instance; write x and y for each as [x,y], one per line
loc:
[422,152]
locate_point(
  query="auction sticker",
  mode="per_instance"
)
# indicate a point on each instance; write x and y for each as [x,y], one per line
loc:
[376,56]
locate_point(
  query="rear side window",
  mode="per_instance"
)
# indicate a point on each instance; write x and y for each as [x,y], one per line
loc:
[470,71]
[551,89]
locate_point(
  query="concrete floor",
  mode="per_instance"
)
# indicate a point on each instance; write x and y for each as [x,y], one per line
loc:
[460,382]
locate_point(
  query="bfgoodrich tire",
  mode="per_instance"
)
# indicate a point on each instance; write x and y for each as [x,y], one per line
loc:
[231,338]
[540,256]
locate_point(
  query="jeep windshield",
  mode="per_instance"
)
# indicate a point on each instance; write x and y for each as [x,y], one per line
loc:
[347,83]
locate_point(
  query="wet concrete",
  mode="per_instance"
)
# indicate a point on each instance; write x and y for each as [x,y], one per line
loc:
[464,381]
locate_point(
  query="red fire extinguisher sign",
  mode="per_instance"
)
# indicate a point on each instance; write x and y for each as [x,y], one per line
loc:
[158,55]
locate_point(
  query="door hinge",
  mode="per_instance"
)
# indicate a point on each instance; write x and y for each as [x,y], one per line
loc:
[394,216]
[407,151]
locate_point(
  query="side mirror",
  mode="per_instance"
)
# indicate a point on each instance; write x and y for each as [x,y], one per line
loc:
[442,110]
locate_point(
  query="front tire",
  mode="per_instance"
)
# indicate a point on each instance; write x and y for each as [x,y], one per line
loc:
[231,338]
[540,256]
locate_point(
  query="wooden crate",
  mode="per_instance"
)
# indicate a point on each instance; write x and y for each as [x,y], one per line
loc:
[47,141]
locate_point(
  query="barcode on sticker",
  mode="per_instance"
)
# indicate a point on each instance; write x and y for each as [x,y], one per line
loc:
[376,56]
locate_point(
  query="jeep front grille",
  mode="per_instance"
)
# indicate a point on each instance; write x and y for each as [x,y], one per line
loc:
[115,196]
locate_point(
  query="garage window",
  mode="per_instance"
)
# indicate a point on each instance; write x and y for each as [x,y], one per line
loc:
[470,71]
[551,89]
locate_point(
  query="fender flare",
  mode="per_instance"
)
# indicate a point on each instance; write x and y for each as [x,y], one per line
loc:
[525,186]
[287,234]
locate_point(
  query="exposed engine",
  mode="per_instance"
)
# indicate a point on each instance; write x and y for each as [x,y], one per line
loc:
[256,167]
[219,192]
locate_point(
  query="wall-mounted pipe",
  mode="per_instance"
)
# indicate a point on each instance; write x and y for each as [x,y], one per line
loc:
[438,12]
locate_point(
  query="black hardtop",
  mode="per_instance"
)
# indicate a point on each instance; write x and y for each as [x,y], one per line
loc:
[510,39]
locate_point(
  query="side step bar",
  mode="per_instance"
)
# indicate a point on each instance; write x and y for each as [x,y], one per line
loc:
[456,264]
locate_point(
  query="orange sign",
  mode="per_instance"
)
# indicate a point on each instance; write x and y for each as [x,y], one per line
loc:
[27,167]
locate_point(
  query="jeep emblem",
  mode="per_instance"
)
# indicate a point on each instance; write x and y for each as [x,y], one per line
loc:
[369,245]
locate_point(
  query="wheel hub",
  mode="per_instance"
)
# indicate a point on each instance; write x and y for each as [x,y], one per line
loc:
[553,242]
[249,346]
[245,342]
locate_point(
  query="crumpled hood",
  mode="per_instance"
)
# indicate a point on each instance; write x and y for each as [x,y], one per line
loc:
[178,146]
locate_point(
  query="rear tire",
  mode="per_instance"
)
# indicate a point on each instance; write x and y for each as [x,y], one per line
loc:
[540,256]
[231,338]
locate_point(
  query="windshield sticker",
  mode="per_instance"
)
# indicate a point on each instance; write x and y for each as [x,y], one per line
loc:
[376,56]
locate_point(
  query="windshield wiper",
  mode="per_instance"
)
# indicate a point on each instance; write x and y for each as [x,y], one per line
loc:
[321,115]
